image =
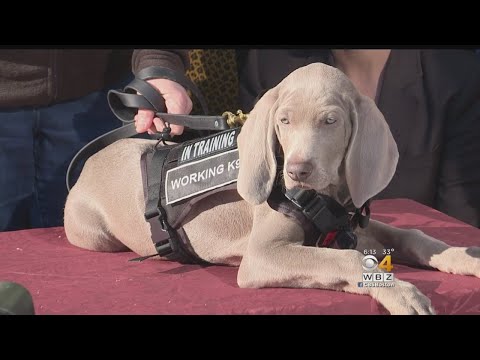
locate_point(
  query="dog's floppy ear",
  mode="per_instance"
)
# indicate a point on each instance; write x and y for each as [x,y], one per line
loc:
[372,155]
[256,144]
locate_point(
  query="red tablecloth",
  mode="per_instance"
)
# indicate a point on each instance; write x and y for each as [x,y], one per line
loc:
[64,279]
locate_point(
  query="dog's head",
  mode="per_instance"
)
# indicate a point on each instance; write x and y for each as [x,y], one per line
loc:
[334,140]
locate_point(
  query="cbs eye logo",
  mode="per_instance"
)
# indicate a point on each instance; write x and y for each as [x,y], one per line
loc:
[370,263]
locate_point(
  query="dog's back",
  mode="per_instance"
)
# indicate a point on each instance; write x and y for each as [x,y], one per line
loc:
[105,210]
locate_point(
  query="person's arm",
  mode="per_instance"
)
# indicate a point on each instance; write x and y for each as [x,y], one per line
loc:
[173,59]
[176,98]
[458,191]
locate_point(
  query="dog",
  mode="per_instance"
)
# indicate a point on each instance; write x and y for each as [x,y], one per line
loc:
[334,140]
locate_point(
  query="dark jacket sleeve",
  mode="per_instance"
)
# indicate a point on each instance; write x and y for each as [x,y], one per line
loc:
[174,59]
[458,191]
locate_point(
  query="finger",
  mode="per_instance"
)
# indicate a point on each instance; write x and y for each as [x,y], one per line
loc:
[143,120]
[158,124]
[176,129]
[176,107]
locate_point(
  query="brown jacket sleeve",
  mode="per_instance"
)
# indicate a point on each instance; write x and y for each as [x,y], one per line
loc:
[174,59]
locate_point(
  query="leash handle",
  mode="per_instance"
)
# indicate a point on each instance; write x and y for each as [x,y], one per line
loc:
[125,103]
[154,72]
[139,94]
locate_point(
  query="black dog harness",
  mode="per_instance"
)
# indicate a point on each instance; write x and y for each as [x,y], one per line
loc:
[176,177]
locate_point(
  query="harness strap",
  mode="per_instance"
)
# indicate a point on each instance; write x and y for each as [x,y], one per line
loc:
[154,181]
[324,212]
[331,219]
[169,238]
[359,219]
[164,236]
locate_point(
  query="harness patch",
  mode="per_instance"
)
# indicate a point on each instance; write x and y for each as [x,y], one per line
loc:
[199,176]
[208,146]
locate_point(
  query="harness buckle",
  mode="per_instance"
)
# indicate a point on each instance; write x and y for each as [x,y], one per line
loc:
[359,218]
[164,248]
[163,223]
[162,219]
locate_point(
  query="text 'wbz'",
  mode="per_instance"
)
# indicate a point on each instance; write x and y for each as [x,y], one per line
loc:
[377,280]
[205,174]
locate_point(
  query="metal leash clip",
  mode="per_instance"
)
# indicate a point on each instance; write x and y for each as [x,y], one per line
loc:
[163,135]
[235,120]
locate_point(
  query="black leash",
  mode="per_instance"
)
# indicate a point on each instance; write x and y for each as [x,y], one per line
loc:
[125,104]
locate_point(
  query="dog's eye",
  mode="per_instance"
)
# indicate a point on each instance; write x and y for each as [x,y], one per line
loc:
[285,121]
[330,120]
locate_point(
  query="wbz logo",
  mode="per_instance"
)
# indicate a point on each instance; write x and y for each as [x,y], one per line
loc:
[379,277]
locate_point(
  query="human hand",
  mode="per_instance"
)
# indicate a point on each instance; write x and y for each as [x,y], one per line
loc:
[177,101]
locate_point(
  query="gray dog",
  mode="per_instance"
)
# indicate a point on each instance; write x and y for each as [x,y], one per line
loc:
[334,141]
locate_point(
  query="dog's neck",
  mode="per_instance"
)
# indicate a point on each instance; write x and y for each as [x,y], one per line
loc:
[363,67]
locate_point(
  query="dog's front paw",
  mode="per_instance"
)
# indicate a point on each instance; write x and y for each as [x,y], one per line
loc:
[473,253]
[458,260]
[403,299]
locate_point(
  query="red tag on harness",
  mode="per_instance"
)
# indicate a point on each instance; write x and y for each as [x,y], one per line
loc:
[329,239]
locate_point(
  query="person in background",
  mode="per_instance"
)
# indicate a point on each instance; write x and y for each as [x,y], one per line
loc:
[430,99]
[52,102]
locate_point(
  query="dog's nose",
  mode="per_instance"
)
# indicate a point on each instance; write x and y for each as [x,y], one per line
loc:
[299,171]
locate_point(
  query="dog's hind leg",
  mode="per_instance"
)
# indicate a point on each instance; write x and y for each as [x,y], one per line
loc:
[85,226]
[104,210]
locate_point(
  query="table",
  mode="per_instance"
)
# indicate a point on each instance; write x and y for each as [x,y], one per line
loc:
[64,279]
